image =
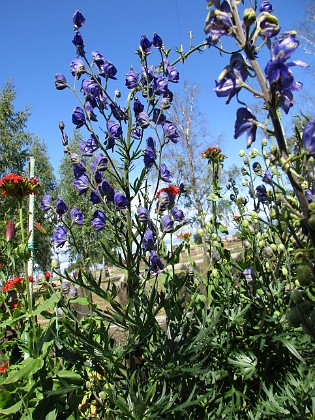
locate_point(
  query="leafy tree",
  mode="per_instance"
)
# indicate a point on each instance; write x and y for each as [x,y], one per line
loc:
[16,147]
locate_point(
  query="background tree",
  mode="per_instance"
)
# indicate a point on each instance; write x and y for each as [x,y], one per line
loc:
[188,166]
[16,147]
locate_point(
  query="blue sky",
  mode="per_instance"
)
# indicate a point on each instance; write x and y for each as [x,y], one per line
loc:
[36,43]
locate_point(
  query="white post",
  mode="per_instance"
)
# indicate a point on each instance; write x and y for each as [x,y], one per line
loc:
[30,262]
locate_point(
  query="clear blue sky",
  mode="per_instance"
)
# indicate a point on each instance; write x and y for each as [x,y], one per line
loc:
[36,43]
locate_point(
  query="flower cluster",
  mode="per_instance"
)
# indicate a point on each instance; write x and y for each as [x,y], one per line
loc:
[18,186]
[184,236]
[17,283]
[213,154]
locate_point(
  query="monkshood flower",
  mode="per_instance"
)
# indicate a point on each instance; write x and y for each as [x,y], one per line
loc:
[148,240]
[249,275]
[284,46]
[156,265]
[61,207]
[308,137]
[228,87]
[75,159]
[107,191]
[172,74]
[143,214]
[160,85]
[78,19]
[165,174]
[167,224]
[170,131]
[245,124]
[157,116]
[90,146]
[178,214]
[157,41]
[132,79]
[78,117]
[98,58]
[60,81]
[89,106]
[79,44]
[219,22]
[114,130]
[60,236]
[90,88]
[308,195]
[143,120]
[265,6]
[77,216]
[78,170]
[98,176]
[138,107]
[268,25]
[119,113]
[136,133]
[65,287]
[73,293]
[77,68]
[82,184]
[99,163]
[145,45]
[261,194]
[149,153]
[46,203]
[95,198]
[163,201]
[120,201]
[98,221]
[147,74]
[107,70]
[267,178]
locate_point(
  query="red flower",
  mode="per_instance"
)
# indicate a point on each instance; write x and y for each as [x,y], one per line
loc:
[47,275]
[4,366]
[17,186]
[15,283]
[213,154]
[184,236]
[172,189]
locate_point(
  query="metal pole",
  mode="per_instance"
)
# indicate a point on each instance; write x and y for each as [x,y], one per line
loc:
[30,262]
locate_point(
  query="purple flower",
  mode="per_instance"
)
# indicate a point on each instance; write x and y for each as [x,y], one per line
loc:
[114,130]
[107,70]
[170,131]
[157,116]
[60,236]
[309,195]
[90,146]
[79,44]
[82,184]
[160,85]
[218,23]
[136,133]
[60,81]
[77,216]
[148,240]
[98,58]
[157,41]
[268,25]
[132,79]
[78,117]
[119,113]
[164,201]
[95,198]
[107,191]
[120,201]
[228,87]
[147,74]
[73,293]
[165,174]
[78,19]
[90,88]
[77,68]
[143,214]
[245,124]
[143,120]
[89,107]
[284,46]
[99,163]
[167,224]
[261,194]
[98,176]
[138,107]
[98,221]
[145,44]
[267,178]
[172,74]
[78,170]
[178,214]
[265,7]
[61,207]
[156,265]
[46,203]
[149,153]
[309,137]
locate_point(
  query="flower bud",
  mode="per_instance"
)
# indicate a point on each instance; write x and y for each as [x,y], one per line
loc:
[253,153]
[273,247]
[249,17]
[241,153]
[23,252]
[246,244]
[61,125]
[10,231]
[244,182]
[264,142]
[117,93]
[281,248]
[39,227]
[55,264]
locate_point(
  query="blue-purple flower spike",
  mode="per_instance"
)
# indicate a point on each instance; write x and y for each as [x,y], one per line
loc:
[309,137]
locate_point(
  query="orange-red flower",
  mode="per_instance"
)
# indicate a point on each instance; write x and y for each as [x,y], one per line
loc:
[171,189]
[18,186]
[4,366]
[184,236]
[213,154]
[15,283]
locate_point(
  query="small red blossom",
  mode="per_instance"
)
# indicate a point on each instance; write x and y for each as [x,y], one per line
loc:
[184,236]
[171,189]
[4,366]
[16,283]
[18,186]
[47,275]
[213,154]
[237,218]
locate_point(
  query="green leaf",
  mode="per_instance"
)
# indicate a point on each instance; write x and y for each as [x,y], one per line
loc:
[13,409]
[28,367]
[4,397]
[70,377]
[47,304]
[213,197]
[81,301]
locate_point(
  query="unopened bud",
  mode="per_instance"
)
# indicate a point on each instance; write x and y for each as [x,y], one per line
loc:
[10,231]
[241,153]
[61,125]
[249,17]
